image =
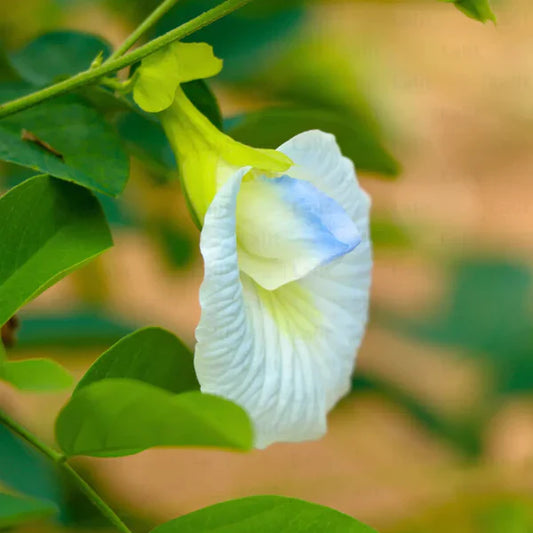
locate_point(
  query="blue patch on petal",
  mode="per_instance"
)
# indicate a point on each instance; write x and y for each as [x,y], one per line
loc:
[326,225]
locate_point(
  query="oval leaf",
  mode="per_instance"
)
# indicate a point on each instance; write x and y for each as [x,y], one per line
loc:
[57,55]
[66,138]
[37,375]
[271,127]
[117,417]
[152,355]
[265,514]
[15,510]
[49,228]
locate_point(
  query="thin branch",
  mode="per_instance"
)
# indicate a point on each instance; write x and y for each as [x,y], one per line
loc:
[60,460]
[148,22]
[93,75]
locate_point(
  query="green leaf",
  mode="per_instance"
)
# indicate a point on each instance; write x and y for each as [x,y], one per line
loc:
[487,313]
[15,510]
[117,417]
[65,138]
[7,72]
[38,375]
[26,471]
[49,228]
[388,233]
[476,9]
[465,434]
[271,127]
[484,510]
[203,98]
[72,328]
[265,514]
[146,140]
[58,55]
[152,355]
[178,247]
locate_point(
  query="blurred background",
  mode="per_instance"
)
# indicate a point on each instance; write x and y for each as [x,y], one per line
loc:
[436,110]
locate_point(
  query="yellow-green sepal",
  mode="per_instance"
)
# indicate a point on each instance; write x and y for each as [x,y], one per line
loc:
[161,73]
[207,157]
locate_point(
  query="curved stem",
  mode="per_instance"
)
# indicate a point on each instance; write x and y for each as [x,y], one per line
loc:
[143,28]
[93,75]
[60,460]
[30,438]
[96,499]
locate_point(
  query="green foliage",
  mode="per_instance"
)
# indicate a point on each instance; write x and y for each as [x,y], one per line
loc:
[16,510]
[73,329]
[24,470]
[476,513]
[476,9]
[37,375]
[7,72]
[50,228]
[117,417]
[464,435]
[488,313]
[253,29]
[177,246]
[143,391]
[147,140]
[271,127]
[57,55]
[152,355]
[199,93]
[387,233]
[264,514]
[318,88]
[65,138]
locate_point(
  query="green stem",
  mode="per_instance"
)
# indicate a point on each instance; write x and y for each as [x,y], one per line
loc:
[94,74]
[60,460]
[30,438]
[96,499]
[143,28]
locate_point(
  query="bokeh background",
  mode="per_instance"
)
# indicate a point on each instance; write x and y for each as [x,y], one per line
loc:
[437,111]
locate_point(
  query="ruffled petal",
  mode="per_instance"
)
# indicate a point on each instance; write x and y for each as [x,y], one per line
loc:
[285,355]
[345,284]
[286,228]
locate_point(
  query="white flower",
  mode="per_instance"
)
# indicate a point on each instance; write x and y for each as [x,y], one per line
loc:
[285,294]
[287,256]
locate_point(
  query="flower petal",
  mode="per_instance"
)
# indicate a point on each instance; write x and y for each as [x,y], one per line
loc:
[317,158]
[286,228]
[286,355]
[345,284]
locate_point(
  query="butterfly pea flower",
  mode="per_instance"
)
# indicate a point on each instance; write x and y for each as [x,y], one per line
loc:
[287,253]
